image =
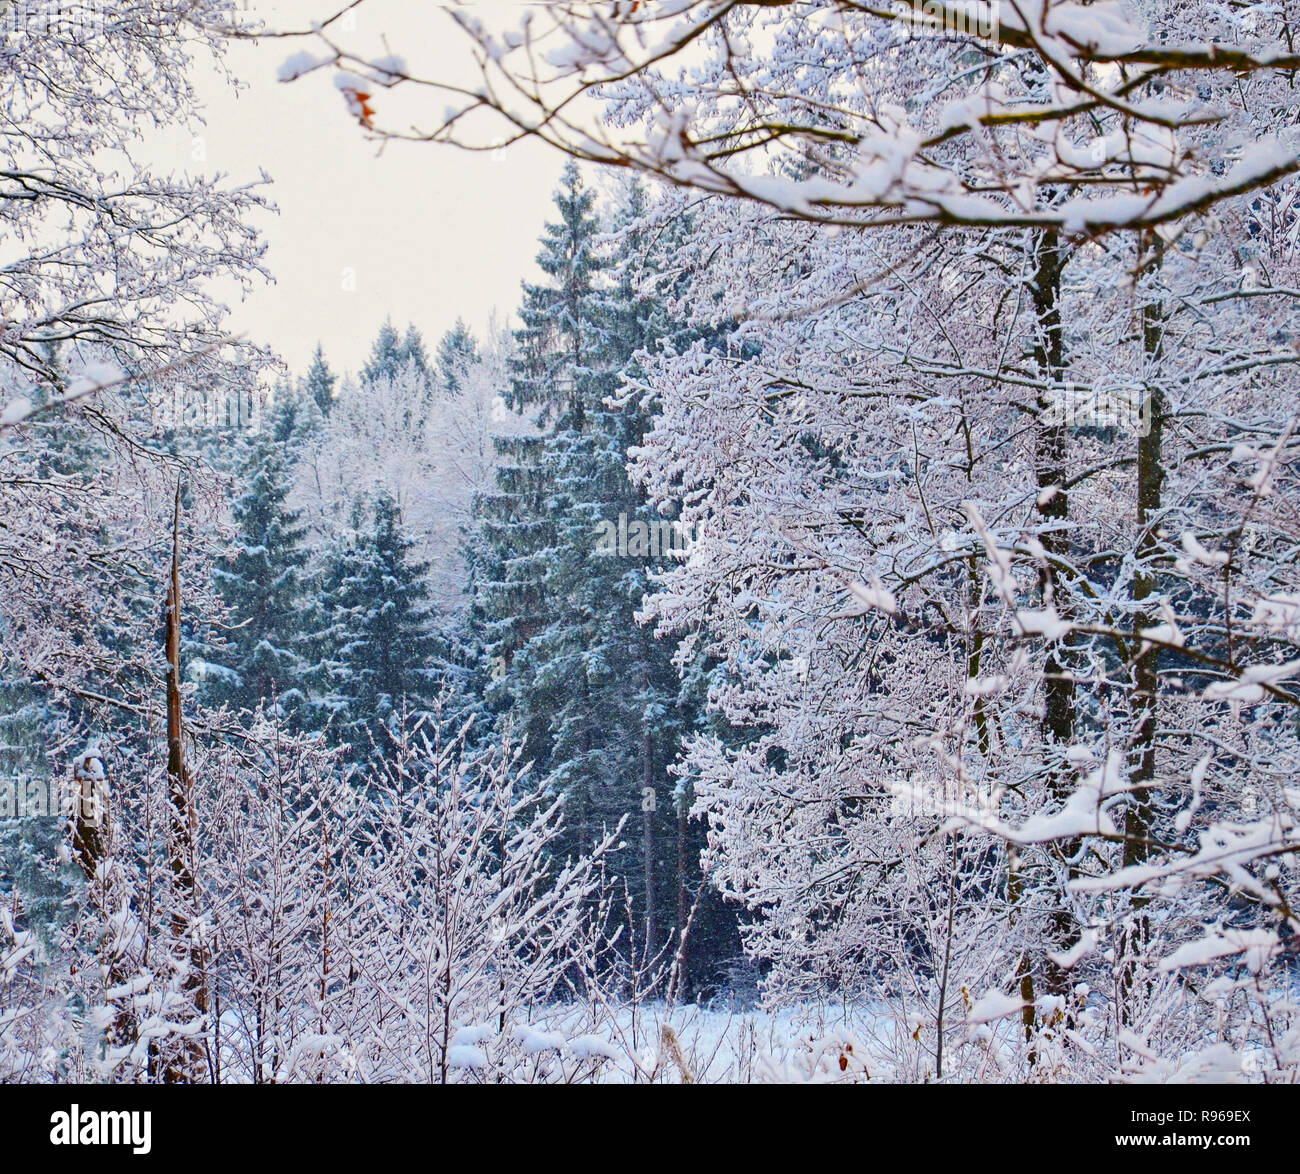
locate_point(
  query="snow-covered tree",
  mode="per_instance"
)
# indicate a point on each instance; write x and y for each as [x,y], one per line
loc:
[261,581]
[376,650]
[501,929]
[109,315]
[319,381]
[457,352]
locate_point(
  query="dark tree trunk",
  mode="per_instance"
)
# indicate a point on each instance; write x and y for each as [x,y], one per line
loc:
[1051,450]
[188,1064]
[648,802]
[1146,661]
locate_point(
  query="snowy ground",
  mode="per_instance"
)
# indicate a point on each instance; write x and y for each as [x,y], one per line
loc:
[696,1044]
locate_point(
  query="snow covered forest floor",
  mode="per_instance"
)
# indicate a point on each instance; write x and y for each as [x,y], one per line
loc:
[713,1043]
[842,625]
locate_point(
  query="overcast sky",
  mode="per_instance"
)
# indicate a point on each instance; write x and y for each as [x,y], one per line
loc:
[427,232]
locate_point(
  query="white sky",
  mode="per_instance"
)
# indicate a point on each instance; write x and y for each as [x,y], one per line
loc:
[430,232]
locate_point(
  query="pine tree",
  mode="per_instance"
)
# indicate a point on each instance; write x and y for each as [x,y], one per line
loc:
[262,583]
[294,418]
[560,317]
[593,694]
[457,350]
[517,532]
[31,829]
[391,353]
[413,351]
[378,651]
[319,382]
[401,363]
[386,353]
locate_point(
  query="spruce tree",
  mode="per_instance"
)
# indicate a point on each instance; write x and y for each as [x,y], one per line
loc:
[262,582]
[413,351]
[456,351]
[319,382]
[377,648]
[592,693]
[386,354]
[517,528]
[391,353]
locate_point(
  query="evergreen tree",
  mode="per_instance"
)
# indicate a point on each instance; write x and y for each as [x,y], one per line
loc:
[551,372]
[391,353]
[377,647]
[592,693]
[386,353]
[31,823]
[413,351]
[517,529]
[456,352]
[295,418]
[262,583]
[320,380]
[398,363]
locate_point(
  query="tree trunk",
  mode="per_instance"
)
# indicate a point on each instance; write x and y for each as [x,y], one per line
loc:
[1051,447]
[683,902]
[92,845]
[188,1064]
[647,839]
[1146,663]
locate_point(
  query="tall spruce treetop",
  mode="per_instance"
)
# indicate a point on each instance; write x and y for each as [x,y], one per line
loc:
[550,375]
[552,371]
[413,350]
[386,353]
[320,380]
[391,353]
[457,351]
